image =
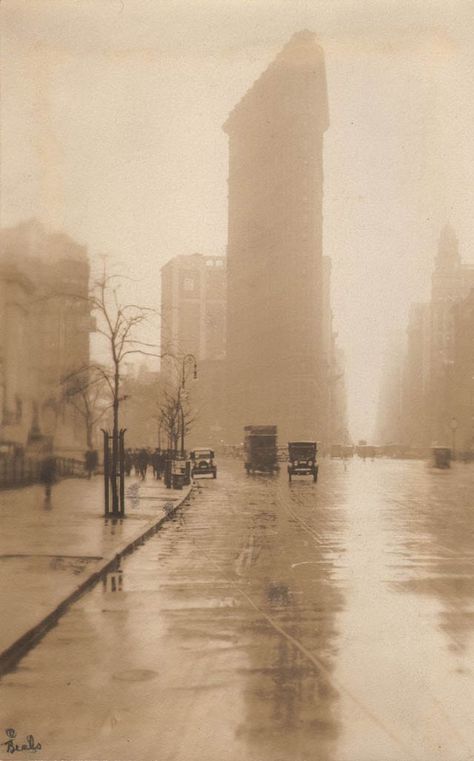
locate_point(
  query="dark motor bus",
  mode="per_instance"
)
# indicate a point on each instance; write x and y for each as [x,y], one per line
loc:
[261,451]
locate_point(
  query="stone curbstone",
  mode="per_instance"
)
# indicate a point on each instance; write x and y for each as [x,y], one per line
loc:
[15,652]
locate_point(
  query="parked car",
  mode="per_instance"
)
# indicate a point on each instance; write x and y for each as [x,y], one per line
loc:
[202,463]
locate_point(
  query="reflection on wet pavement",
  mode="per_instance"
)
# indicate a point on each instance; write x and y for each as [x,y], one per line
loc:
[273,622]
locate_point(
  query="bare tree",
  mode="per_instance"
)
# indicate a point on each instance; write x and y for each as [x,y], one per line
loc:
[169,418]
[175,416]
[118,324]
[84,391]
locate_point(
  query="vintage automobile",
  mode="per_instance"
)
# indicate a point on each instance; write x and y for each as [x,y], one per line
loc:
[302,459]
[260,447]
[202,463]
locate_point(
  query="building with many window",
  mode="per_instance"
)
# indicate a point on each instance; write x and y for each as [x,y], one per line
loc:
[45,323]
[193,297]
[193,314]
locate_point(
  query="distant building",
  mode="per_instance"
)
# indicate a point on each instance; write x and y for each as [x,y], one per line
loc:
[433,383]
[44,334]
[208,399]
[334,415]
[338,432]
[139,410]
[462,409]
[389,421]
[278,323]
[193,298]
[17,384]
[451,283]
[193,315]
[416,377]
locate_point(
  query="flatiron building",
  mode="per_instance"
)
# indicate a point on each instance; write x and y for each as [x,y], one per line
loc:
[277,360]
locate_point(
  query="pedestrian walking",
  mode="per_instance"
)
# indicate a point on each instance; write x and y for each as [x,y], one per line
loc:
[157,463]
[135,462]
[48,475]
[142,461]
[91,460]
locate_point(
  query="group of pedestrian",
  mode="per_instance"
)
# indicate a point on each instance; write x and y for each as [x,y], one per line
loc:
[138,459]
[141,459]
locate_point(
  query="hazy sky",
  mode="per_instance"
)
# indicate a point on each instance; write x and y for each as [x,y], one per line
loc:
[111,129]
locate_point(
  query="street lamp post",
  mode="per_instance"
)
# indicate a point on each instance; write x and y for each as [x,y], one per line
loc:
[160,424]
[186,359]
[183,451]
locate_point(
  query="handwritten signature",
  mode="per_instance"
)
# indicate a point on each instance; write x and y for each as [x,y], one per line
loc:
[13,746]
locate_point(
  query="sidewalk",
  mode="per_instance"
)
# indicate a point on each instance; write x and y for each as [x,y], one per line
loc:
[51,552]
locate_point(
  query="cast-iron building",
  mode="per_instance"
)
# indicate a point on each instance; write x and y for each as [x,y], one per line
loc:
[277,371]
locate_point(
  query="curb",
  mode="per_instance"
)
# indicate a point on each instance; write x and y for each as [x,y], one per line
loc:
[10,657]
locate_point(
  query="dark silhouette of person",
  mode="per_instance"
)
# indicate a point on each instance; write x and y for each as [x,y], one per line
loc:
[135,462]
[157,461]
[91,461]
[48,474]
[142,461]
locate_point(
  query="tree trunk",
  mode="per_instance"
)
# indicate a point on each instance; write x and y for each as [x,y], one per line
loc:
[89,435]
[115,445]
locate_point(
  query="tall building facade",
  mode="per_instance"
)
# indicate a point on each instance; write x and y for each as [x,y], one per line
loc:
[452,281]
[193,315]
[16,367]
[193,298]
[45,323]
[389,422]
[462,409]
[415,427]
[434,388]
[277,370]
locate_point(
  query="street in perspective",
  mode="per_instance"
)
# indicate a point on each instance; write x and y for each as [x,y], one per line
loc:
[236,381]
[269,620]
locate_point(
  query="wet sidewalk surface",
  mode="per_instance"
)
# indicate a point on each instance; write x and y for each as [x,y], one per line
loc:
[48,548]
[270,621]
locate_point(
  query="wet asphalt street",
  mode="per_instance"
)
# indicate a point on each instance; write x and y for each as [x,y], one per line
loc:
[269,622]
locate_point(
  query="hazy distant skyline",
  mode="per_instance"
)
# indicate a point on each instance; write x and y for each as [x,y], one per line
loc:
[112,130]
